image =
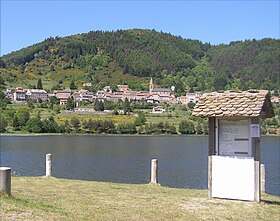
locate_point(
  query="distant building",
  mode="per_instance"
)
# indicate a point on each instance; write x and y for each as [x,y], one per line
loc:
[107,89]
[87,84]
[158,91]
[9,93]
[182,100]
[83,95]
[275,100]
[36,95]
[153,99]
[190,97]
[62,95]
[122,87]
[84,110]
[19,94]
[193,97]
[158,110]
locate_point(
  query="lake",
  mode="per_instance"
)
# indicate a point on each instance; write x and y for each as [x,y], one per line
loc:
[182,160]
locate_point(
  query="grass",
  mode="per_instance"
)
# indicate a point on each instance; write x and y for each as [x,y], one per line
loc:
[41,198]
[62,117]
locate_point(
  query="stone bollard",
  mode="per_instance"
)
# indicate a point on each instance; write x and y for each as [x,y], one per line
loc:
[154,171]
[5,180]
[48,164]
[262,178]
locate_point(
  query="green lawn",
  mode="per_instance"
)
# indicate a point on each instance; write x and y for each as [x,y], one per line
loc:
[40,198]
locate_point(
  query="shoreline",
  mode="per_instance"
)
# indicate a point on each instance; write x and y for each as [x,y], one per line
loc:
[112,135]
[103,135]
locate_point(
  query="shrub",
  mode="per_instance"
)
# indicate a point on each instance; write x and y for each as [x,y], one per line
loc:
[186,127]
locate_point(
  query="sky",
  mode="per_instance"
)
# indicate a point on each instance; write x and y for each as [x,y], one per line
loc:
[24,23]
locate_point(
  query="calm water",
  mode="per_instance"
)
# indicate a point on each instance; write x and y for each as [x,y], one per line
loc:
[126,159]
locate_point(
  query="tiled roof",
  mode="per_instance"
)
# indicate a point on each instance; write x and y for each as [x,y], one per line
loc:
[234,104]
[161,90]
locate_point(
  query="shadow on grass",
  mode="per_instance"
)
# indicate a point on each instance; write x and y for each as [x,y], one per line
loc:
[271,202]
[33,204]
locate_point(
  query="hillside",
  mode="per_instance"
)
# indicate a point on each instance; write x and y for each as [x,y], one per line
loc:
[133,56]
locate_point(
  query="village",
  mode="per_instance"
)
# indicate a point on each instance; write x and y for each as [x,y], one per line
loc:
[123,92]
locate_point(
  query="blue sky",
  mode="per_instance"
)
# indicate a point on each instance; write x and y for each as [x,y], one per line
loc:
[24,23]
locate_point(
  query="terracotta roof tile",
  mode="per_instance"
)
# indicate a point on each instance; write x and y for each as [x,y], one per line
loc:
[234,104]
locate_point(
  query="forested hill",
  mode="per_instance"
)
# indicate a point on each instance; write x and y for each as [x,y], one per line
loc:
[133,56]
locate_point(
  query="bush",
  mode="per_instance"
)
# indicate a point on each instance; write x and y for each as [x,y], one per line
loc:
[126,128]
[158,128]
[50,126]
[34,125]
[186,127]
[3,123]
[140,119]
[199,129]
[108,127]
[75,123]
[93,126]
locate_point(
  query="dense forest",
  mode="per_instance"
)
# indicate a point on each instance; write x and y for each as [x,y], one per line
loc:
[133,56]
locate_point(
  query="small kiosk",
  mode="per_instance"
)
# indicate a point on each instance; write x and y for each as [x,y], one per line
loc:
[234,141]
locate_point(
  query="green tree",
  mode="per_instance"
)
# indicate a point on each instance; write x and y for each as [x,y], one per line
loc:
[98,105]
[191,105]
[109,105]
[67,126]
[39,84]
[50,126]
[2,82]
[23,117]
[93,126]
[73,85]
[70,104]
[15,122]
[126,106]
[140,119]
[126,128]
[34,125]
[30,104]
[186,127]
[2,64]
[3,100]
[53,100]
[3,123]
[108,127]
[75,123]
[199,129]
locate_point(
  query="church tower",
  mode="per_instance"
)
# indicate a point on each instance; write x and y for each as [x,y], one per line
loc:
[151,86]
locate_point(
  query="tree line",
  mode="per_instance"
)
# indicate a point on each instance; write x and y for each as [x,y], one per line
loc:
[21,120]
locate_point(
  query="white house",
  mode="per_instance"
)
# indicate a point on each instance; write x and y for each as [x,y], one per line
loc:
[158,110]
[36,94]
[20,94]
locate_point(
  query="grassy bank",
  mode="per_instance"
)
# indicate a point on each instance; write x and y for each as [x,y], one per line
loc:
[40,198]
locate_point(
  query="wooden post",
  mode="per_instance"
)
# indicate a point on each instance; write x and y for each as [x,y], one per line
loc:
[5,180]
[210,176]
[262,178]
[48,164]
[154,171]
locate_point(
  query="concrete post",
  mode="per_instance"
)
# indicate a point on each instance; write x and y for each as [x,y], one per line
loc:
[154,171]
[48,164]
[5,180]
[262,178]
